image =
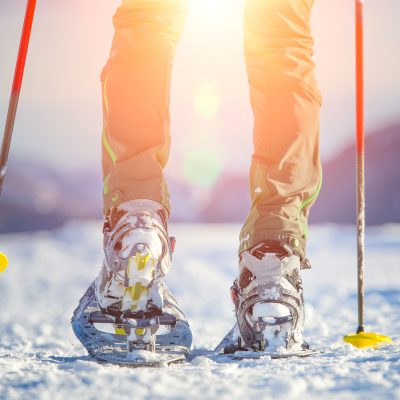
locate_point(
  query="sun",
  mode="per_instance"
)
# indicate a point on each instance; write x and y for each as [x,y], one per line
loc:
[212,9]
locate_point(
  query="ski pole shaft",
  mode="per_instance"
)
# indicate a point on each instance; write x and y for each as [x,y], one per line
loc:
[360,161]
[16,88]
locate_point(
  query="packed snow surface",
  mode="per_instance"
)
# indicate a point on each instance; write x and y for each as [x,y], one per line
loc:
[49,271]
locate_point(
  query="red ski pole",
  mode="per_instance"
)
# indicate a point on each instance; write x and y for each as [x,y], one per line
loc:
[361,338]
[16,88]
[360,156]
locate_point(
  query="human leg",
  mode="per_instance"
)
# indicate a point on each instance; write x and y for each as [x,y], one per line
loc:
[285,174]
[136,88]
[137,247]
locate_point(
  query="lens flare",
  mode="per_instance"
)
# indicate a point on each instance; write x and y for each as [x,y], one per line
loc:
[206,101]
[216,9]
[202,166]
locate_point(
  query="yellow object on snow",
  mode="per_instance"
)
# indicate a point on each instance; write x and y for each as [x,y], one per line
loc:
[367,339]
[3,262]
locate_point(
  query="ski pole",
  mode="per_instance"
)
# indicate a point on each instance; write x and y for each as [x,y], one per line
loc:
[16,88]
[361,338]
[360,157]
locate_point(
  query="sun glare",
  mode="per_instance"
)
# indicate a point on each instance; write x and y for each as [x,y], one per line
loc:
[209,7]
[207,13]
[202,166]
[206,101]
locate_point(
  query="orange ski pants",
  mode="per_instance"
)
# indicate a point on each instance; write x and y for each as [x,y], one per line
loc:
[285,174]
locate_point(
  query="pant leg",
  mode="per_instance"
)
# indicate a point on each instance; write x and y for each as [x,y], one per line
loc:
[285,174]
[136,92]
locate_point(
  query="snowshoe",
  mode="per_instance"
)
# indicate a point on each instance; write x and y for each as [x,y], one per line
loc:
[268,299]
[153,341]
[128,315]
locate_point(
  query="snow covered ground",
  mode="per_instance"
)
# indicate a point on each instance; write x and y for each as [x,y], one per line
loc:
[49,272]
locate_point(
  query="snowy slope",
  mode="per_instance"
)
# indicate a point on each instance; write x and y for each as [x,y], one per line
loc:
[40,357]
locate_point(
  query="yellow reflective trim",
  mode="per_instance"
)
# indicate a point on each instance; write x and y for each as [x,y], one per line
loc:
[304,228]
[105,184]
[313,196]
[306,202]
[108,148]
[106,144]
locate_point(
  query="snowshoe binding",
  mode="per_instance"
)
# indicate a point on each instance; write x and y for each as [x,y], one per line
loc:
[269,305]
[128,316]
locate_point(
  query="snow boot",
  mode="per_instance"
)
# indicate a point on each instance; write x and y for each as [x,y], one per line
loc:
[137,256]
[129,294]
[268,298]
